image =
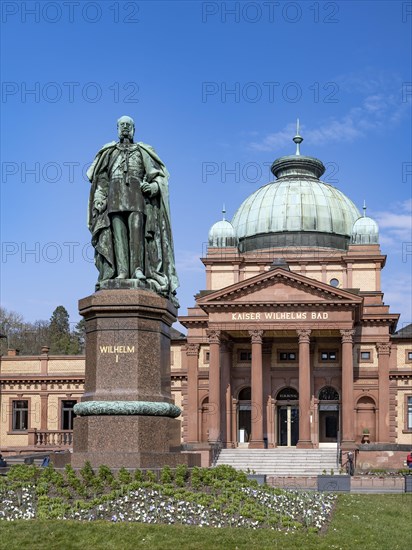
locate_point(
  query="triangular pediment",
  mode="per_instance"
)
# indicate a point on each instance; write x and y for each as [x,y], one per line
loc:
[278,286]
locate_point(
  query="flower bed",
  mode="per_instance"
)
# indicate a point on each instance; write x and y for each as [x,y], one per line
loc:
[218,497]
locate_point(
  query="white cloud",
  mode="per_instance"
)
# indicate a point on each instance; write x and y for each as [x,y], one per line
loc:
[379,106]
[273,141]
[396,224]
[188,261]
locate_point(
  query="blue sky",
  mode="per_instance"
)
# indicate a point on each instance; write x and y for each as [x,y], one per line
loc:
[216,88]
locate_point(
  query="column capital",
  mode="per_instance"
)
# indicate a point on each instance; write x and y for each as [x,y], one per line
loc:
[213,335]
[256,336]
[192,349]
[384,348]
[347,335]
[304,335]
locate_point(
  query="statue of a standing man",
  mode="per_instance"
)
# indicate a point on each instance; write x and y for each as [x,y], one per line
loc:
[129,216]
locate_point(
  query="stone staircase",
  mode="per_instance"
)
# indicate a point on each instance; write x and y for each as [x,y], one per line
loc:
[282,461]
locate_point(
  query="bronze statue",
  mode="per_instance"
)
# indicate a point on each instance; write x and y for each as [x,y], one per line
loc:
[129,216]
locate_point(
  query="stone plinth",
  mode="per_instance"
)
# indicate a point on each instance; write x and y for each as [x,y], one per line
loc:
[126,414]
[130,441]
[127,346]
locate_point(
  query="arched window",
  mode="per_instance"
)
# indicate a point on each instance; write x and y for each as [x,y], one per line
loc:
[328,394]
[245,394]
[366,402]
[287,394]
[366,421]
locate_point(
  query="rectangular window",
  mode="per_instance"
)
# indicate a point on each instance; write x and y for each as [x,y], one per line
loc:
[245,355]
[206,357]
[409,413]
[328,356]
[67,414]
[365,355]
[20,420]
[287,356]
[409,355]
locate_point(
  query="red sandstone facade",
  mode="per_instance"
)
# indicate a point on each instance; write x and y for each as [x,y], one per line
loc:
[279,357]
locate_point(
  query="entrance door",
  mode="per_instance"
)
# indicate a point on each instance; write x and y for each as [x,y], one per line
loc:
[328,426]
[244,415]
[288,425]
[328,415]
[244,423]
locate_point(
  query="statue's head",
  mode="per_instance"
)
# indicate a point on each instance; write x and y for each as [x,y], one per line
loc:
[125,128]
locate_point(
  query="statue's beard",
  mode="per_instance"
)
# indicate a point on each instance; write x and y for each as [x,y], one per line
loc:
[126,136]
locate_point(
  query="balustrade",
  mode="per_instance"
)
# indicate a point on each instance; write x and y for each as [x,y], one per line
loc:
[51,438]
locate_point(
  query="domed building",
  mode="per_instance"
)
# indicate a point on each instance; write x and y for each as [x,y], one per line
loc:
[289,344]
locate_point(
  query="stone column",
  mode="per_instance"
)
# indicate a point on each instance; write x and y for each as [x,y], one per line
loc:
[226,393]
[270,417]
[233,416]
[267,393]
[44,396]
[44,360]
[192,359]
[384,350]
[348,439]
[305,441]
[256,439]
[214,384]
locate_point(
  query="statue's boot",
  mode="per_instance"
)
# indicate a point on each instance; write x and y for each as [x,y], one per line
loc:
[138,274]
[122,276]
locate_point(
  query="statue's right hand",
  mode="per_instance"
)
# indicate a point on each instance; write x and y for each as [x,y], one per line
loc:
[100,205]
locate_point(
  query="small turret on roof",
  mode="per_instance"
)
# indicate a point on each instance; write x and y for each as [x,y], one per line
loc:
[222,233]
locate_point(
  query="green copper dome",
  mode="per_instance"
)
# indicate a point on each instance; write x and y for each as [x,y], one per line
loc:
[295,210]
[365,230]
[222,234]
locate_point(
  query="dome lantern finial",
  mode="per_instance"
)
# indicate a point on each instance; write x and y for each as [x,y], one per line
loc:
[364,208]
[224,212]
[297,139]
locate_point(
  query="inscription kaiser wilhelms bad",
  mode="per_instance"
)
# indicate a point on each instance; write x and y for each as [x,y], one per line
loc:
[280,315]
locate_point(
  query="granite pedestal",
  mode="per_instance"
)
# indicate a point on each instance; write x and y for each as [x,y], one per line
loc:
[127,365]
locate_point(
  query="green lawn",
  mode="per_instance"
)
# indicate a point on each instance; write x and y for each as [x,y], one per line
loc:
[378,522]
